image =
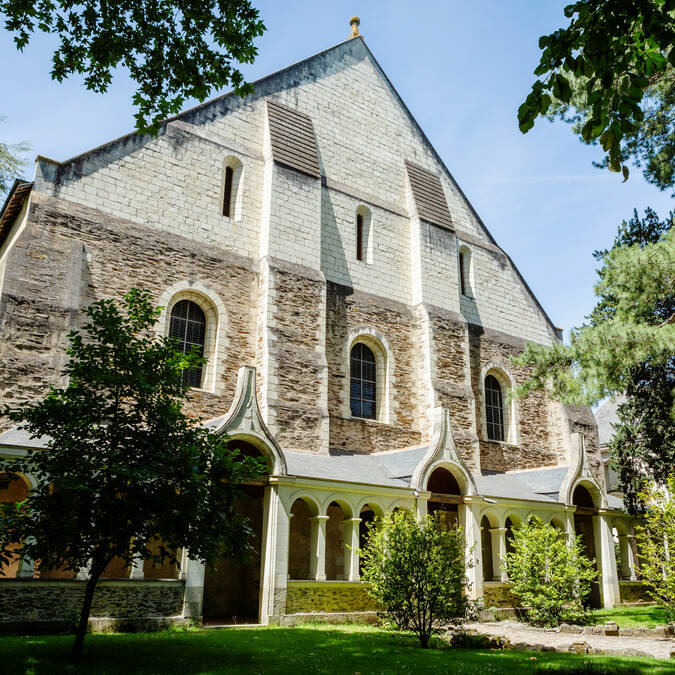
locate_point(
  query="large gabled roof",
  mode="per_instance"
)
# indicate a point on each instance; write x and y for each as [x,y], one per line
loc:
[264,87]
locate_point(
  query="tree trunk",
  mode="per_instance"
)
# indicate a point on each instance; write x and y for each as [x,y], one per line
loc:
[76,654]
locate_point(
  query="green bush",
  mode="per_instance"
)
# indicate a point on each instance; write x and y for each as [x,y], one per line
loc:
[549,574]
[656,543]
[416,570]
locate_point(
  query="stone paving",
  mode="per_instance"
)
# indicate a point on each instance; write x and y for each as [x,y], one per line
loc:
[522,636]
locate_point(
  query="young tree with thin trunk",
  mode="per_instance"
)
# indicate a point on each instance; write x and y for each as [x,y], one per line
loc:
[416,571]
[126,474]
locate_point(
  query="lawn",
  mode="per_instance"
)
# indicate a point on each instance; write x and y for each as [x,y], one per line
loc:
[639,616]
[304,649]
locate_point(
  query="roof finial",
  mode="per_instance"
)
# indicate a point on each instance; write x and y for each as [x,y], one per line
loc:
[355,22]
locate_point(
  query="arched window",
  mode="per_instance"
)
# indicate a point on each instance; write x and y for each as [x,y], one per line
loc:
[188,327]
[359,236]
[494,409]
[465,271]
[232,193]
[364,235]
[363,382]
[227,196]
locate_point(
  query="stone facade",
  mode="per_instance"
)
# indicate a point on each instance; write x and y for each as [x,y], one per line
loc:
[286,297]
[36,601]
[303,597]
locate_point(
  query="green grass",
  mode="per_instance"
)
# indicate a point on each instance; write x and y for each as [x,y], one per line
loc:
[304,650]
[640,616]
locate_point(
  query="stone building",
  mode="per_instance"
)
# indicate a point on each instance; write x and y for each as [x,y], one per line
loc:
[359,322]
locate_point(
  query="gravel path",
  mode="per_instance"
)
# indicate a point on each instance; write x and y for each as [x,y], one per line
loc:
[522,636]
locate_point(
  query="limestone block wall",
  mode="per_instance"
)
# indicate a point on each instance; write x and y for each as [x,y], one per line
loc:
[529,444]
[293,357]
[450,366]
[348,313]
[174,182]
[387,263]
[53,601]
[325,596]
[70,255]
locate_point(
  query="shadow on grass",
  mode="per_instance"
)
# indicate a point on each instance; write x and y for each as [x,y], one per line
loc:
[304,649]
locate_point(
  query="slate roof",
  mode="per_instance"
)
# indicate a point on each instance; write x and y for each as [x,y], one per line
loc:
[606,416]
[22,439]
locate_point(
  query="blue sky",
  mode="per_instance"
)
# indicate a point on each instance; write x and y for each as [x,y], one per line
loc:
[462,68]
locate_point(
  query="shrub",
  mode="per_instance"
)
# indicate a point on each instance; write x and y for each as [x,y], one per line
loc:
[549,574]
[415,569]
[656,544]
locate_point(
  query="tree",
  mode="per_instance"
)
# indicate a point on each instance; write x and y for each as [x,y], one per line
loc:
[11,163]
[655,533]
[549,574]
[635,314]
[650,146]
[613,67]
[643,443]
[124,468]
[172,50]
[634,282]
[415,570]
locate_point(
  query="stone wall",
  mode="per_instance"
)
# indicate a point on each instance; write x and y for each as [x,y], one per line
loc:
[327,596]
[633,591]
[529,444]
[57,601]
[498,594]
[69,255]
[348,311]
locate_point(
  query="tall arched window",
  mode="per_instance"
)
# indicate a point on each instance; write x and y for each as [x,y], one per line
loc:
[188,327]
[364,234]
[465,272]
[232,192]
[359,236]
[363,382]
[494,409]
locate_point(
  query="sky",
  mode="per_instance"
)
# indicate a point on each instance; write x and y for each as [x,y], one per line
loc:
[462,68]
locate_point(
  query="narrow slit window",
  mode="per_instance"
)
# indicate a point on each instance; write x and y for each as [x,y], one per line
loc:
[359,236]
[494,409]
[462,273]
[188,328]
[227,196]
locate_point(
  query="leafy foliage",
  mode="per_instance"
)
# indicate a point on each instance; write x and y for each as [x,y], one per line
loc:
[636,289]
[11,163]
[549,574]
[606,64]
[655,533]
[651,145]
[124,467]
[415,569]
[172,50]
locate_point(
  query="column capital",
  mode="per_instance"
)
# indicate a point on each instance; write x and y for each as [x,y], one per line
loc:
[352,520]
[498,529]
[319,518]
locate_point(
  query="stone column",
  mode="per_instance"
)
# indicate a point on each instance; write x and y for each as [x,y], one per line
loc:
[276,529]
[26,569]
[471,527]
[627,557]
[137,568]
[83,572]
[317,548]
[194,589]
[351,539]
[498,535]
[604,547]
